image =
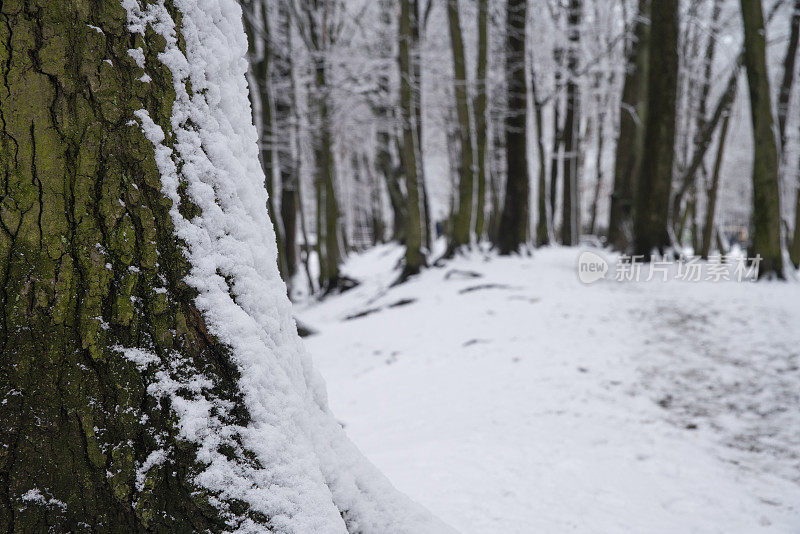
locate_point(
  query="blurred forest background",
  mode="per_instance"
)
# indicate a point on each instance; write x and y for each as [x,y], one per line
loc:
[629,123]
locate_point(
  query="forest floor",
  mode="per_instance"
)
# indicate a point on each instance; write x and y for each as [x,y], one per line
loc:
[508,397]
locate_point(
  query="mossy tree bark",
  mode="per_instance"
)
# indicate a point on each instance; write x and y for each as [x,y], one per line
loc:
[89,262]
[651,214]
[766,237]
[513,231]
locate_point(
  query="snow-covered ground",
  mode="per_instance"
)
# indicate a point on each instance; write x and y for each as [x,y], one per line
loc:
[508,397]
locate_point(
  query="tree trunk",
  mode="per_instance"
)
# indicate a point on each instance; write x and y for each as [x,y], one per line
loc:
[479,108]
[385,130]
[570,205]
[513,232]
[712,192]
[702,134]
[766,238]
[463,219]
[257,28]
[555,158]
[542,235]
[416,61]
[284,115]
[632,120]
[785,94]
[151,380]
[794,251]
[651,215]
[414,259]
[329,277]
[85,240]
[598,186]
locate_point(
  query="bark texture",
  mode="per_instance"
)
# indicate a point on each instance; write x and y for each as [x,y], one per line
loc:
[89,262]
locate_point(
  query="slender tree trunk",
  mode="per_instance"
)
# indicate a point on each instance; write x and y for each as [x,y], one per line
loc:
[257,29]
[463,220]
[570,205]
[598,185]
[794,251]
[479,107]
[632,120]
[416,61]
[327,175]
[766,237]
[414,259]
[385,136]
[555,159]
[513,232]
[702,134]
[785,94]
[783,111]
[376,206]
[542,235]
[651,216]
[284,115]
[712,192]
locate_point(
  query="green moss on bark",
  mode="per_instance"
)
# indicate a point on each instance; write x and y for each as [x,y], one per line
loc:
[88,262]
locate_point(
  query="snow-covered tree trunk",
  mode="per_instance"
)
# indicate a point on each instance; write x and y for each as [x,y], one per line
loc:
[152,379]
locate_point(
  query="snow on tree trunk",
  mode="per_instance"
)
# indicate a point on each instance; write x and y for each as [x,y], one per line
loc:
[152,377]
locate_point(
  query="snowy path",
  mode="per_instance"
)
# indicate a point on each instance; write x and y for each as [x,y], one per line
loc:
[507,397]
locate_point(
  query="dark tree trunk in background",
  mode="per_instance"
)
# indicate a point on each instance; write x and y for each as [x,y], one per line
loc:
[284,115]
[632,120]
[713,190]
[694,172]
[386,127]
[598,186]
[479,108]
[542,234]
[326,175]
[766,237]
[414,259]
[416,61]
[257,28]
[513,231]
[86,246]
[785,94]
[570,203]
[463,220]
[783,111]
[651,215]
